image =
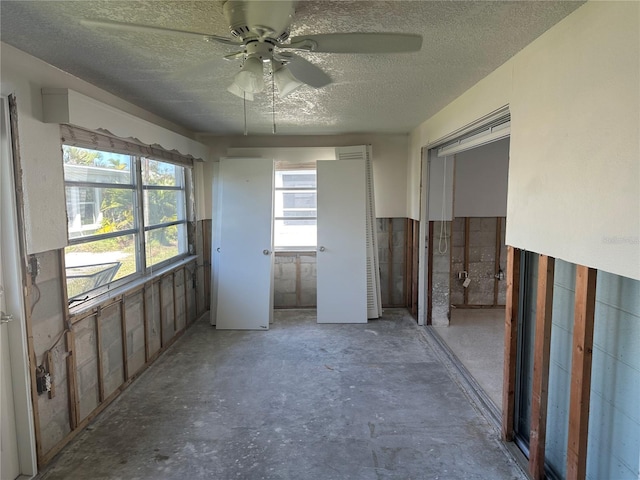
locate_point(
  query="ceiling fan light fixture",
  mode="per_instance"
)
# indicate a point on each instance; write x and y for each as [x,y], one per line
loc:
[285,81]
[251,78]
[236,90]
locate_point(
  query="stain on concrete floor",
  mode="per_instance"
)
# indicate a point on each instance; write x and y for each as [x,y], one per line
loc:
[300,401]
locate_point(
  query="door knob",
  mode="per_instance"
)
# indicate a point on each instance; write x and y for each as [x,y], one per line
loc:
[265,252]
[322,249]
[218,249]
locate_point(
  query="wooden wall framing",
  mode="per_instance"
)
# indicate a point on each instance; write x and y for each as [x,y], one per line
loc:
[582,351]
[510,342]
[95,314]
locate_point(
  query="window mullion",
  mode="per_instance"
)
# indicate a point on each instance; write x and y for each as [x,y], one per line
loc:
[139,208]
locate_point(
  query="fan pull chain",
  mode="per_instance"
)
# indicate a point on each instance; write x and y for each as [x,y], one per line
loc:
[273,101]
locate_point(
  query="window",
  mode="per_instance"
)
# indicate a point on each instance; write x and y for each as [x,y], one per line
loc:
[118,206]
[295,212]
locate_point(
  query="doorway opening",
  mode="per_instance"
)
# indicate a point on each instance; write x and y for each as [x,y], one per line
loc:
[466,253]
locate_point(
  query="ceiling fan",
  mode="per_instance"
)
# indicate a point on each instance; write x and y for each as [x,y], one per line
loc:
[260,32]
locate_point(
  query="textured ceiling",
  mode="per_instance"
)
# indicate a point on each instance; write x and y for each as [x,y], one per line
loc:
[184,79]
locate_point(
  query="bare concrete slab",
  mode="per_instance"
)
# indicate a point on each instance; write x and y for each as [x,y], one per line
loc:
[300,401]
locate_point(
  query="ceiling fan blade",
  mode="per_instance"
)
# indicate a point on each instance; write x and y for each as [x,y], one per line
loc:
[136,27]
[307,72]
[357,43]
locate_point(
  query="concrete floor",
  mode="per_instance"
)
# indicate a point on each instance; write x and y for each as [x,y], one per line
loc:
[476,338]
[300,401]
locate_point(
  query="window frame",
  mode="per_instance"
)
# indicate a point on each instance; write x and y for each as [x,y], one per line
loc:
[283,189]
[143,265]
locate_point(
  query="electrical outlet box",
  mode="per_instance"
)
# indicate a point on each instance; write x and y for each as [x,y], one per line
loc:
[43,380]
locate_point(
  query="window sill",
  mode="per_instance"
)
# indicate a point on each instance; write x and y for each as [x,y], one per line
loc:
[297,251]
[81,308]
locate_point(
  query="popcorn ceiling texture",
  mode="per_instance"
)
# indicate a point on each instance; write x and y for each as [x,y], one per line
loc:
[184,80]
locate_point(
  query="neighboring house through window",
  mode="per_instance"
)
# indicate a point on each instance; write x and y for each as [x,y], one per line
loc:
[126,214]
[295,209]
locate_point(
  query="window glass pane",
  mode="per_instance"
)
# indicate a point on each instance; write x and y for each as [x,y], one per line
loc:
[155,172]
[298,214]
[162,206]
[95,264]
[299,200]
[295,233]
[84,165]
[299,179]
[94,210]
[166,242]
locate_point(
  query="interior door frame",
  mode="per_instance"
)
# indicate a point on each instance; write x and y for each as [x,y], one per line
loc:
[423,241]
[14,250]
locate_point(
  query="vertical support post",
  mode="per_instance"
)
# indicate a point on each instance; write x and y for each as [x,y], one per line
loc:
[74,402]
[430,276]
[496,282]
[101,396]
[161,310]
[175,303]
[145,323]
[582,353]
[123,322]
[467,223]
[510,342]
[298,281]
[390,262]
[415,256]
[408,235]
[542,349]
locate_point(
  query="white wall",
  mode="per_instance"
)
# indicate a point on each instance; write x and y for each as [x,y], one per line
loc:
[389,160]
[41,157]
[441,174]
[481,181]
[574,173]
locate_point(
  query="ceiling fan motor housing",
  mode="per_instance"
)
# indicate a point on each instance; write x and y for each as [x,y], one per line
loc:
[259,20]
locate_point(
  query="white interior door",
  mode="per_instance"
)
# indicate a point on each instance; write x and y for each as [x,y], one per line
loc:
[245,259]
[341,258]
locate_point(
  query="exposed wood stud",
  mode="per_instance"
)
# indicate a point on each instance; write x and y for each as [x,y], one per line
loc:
[430,275]
[99,360]
[390,262]
[125,351]
[540,384]
[584,315]
[187,317]
[175,303]
[467,226]
[496,281]
[76,424]
[145,324]
[408,235]
[510,342]
[415,258]
[74,398]
[51,370]
[161,311]
[298,281]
